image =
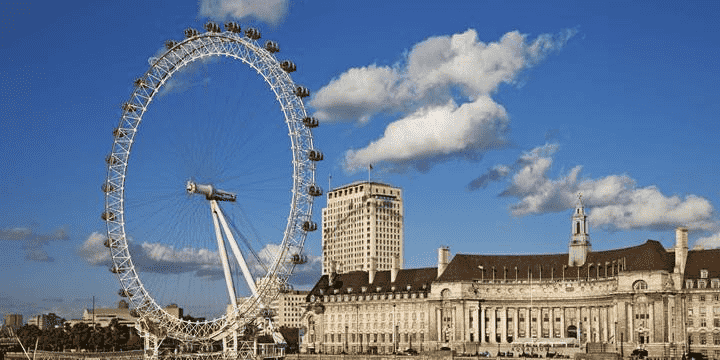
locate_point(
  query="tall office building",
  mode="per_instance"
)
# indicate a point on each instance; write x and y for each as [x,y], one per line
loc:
[362,221]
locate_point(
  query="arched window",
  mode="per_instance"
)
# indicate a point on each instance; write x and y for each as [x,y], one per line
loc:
[640,285]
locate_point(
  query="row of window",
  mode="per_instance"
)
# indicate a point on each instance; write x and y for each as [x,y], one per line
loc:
[702,284]
[375,338]
[358,189]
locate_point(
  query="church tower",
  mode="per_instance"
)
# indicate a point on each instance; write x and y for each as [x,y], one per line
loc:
[579,245]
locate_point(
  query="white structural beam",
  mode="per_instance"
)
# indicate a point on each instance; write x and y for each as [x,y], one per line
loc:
[236,251]
[217,214]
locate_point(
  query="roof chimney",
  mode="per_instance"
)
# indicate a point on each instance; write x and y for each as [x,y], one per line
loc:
[681,249]
[373,269]
[395,268]
[443,256]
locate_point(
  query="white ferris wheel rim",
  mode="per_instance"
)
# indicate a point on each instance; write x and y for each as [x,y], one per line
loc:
[247,50]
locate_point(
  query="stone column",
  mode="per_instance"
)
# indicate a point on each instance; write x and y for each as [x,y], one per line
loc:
[528,318]
[493,325]
[438,327]
[631,323]
[578,323]
[478,325]
[562,322]
[516,322]
[503,325]
[482,324]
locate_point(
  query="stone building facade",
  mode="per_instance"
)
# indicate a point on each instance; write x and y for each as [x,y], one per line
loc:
[362,220]
[666,301]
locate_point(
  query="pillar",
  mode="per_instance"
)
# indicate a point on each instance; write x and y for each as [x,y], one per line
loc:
[482,324]
[503,325]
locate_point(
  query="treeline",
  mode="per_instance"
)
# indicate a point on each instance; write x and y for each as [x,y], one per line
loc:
[114,337]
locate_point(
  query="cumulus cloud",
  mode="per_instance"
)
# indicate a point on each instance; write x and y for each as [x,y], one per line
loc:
[166,259]
[269,11]
[154,257]
[434,132]
[33,244]
[614,201]
[441,95]
[709,242]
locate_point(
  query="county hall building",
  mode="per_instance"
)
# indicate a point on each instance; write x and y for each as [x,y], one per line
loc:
[666,301]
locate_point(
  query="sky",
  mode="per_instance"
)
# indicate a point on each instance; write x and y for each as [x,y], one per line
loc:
[490,115]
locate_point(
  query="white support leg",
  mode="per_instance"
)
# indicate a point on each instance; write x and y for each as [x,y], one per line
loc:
[217,214]
[236,251]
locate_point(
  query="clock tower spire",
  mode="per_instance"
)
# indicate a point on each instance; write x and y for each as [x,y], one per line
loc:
[579,245]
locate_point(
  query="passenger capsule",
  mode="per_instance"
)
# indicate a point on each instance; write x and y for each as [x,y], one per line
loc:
[124,293]
[170,44]
[310,122]
[309,226]
[314,190]
[302,92]
[107,187]
[272,46]
[140,83]
[288,66]
[111,160]
[108,244]
[232,27]
[190,32]
[119,133]
[129,107]
[108,216]
[212,27]
[116,270]
[315,155]
[252,33]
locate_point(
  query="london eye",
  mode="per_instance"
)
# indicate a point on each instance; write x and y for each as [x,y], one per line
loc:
[200,186]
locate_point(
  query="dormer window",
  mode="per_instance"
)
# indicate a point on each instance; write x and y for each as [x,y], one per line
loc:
[715,283]
[688,284]
[703,274]
[702,284]
[363,289]
[640,285]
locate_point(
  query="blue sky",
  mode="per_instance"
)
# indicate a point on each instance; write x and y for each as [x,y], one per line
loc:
[490,115]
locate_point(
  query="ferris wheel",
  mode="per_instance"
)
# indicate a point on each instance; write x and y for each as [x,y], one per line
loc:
[212,201]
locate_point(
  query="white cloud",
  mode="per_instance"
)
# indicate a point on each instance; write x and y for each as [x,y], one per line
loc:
[161,258]
[154,257]
[442,94]
[614,201]
[437,131]
[710,242]
[269,11]
[358,94]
